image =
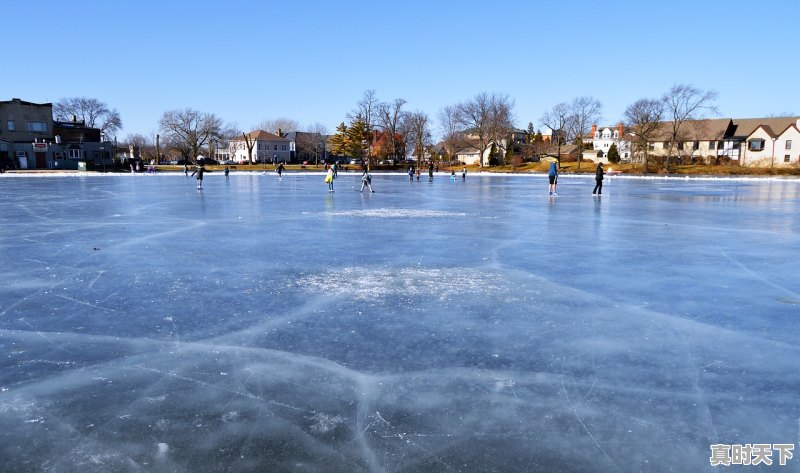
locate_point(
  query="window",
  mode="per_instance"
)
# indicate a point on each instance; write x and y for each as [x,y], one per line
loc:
[283,147]
[666,145]
[786,158]
[712,145]
[788,144]
[38,127]
[756,145]
[12,126]
[75,154]
[276,148]
[651,146]
[696,145]
[721,145]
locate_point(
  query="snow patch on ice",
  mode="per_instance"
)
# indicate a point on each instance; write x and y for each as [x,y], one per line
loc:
[395,213]
[324,423]
[365,283]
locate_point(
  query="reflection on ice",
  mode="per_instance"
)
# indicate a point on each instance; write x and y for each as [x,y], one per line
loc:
[488,328]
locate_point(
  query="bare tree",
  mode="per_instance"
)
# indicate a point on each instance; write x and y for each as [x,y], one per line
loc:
[276,125]
[366,109]
[452,137]
[92,112]
[319,132]
[683,103]
[389,117]
[249,143]
[189,130]
[557,119]
[584,112]
[487,119]
[416,127]
[643,118]
[312,140]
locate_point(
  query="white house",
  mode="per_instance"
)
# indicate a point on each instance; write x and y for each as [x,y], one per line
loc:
[602,139]
[266,148]
[469,156]
[766,146]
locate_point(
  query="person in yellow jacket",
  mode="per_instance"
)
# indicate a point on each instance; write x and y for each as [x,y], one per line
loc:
[329,179]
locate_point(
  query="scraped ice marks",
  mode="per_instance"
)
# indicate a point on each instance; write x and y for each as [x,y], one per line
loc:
[363,283]
[395,213]
[322,423]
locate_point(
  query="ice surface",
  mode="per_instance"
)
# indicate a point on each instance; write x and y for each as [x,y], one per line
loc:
[268,325]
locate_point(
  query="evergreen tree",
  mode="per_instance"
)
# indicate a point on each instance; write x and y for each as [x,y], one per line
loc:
[339,140]
[613,154]
[357,138]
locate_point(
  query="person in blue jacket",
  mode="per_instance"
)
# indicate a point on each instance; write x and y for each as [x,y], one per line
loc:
[553,177]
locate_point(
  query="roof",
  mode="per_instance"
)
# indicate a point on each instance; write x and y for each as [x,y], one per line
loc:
[565,150]
[23,102]
[713,129]
[261,135]
[745,126]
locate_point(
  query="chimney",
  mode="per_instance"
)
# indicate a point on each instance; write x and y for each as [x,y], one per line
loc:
[279,133]
[74,118]
[620,129]
[594,129]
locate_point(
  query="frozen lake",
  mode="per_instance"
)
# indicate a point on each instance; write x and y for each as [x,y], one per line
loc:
[268,325]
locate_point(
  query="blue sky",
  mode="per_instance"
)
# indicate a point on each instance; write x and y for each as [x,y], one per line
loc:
[247,61]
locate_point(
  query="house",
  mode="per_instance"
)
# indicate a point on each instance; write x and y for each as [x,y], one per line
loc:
[469,156]
[601,140]
[721,139]
[31,139]
[266,148]
[766,146]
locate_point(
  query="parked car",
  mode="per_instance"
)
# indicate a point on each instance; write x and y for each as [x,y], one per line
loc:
[207,161]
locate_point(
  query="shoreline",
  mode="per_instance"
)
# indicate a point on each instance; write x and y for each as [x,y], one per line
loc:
[271,173]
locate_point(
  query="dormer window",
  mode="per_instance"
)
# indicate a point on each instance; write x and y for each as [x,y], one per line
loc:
[597,135]
[616,134]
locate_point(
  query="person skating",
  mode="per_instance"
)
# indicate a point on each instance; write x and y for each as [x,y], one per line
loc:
[464,173]
[430,171]
[199,172]
[410,173]
[279,169]
[598,177]
[329,179]
[366,180]
[552,176]
[227,171]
